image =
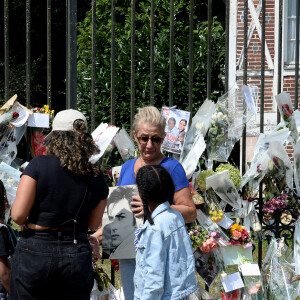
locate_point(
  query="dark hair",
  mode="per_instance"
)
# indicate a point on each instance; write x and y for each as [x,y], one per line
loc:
[74,149]
[184,121]
[155,185]
[3,200]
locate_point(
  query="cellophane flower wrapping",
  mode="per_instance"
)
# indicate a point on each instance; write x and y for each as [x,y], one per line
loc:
[191,160]
[233,295]
[285,107]
[201,238]
[200,124]
[224,188]
[10,178]
[212,206]
[281,164]
[281,281]
[254,287]
[297,247]
[124,144]
[201,294]
[228,122]
[211,226]
[8,145]
[102,136]
[297,167]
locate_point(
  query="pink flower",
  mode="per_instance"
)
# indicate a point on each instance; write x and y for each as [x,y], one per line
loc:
[253,290]
[236,235]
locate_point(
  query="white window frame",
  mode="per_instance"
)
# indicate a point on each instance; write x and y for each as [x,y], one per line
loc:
[287,64]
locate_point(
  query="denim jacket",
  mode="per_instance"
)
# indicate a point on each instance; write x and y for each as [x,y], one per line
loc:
[165,265]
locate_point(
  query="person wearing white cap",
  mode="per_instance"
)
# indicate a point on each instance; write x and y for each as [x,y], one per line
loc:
[59,197]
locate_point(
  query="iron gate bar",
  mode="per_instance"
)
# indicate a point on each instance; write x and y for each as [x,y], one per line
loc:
[6,49]
[113,61]
[171,54]
[209,24]
[245,79]
[49,69]
[28,52]
[297,55]
[93,65]
[191,54]
[262,109]
[132,64]
[227,11]
[71,53]
[279,81]
[152,53]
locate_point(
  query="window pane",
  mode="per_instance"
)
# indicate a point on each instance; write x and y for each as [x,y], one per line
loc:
[291,30]
[291,47]
[291,8]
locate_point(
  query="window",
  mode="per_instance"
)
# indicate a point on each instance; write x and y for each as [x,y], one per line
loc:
[290,30]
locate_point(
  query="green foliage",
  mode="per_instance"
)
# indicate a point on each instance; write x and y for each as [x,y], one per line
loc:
[142,55]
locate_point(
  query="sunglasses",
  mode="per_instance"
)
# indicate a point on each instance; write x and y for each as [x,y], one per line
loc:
[143,140]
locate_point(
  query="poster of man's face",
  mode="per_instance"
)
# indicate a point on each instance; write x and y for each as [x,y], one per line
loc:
[176,129]
[119,223]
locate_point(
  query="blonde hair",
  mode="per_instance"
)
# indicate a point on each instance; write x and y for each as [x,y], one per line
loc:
[151,115]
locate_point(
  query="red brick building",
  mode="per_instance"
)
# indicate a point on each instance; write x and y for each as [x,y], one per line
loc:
[272,52]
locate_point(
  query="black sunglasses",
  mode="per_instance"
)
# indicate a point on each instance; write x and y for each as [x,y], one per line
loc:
[144,139]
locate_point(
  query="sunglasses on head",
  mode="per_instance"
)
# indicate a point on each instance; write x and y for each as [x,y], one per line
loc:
[144,139]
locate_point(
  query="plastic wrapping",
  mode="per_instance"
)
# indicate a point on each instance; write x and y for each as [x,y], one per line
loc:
[191,160]
[210,226]
[102,136]
[285,107]
[281,281]
[228,122]
[281,163]
[224,188]
[297,167]
[213,207]
[124,144]
[200,124]
[10,178]
[297,247]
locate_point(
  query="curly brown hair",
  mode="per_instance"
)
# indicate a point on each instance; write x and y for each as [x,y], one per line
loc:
[3,201]
[74,148]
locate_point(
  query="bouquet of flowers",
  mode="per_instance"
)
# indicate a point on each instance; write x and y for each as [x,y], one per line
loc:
[239,235]
[228,121]
[281,281]
[202,238]
[275,203]
[285,107]
[254,287]
[224,188]
[200,124]
[125,145]
[213,206]
[101,278]
[297,167]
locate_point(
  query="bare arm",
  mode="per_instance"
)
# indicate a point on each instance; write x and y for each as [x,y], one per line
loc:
[24,200]
[96,215]
[4,273]
[183,203]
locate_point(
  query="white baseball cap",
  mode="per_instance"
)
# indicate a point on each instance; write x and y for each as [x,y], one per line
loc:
[65,119]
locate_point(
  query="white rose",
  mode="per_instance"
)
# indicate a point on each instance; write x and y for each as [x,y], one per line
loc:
[219,115]
[10,181]
[214,118]
[271,165]
[200,126]
[257,226]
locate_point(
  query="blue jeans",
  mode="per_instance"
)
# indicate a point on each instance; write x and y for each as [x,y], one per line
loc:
[127,268]
[48,265]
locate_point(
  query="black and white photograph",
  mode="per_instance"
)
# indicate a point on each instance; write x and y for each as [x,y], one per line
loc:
[176,129]
[119,223]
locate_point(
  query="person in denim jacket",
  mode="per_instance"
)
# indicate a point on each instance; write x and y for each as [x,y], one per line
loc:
[165,265]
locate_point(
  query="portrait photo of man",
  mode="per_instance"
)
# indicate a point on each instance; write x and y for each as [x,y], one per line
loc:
[119,223]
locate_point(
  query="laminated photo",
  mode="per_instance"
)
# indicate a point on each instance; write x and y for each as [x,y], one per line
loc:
[177,122]
[119,223]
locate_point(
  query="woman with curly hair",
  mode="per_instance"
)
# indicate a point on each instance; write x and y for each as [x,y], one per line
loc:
[59,197]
